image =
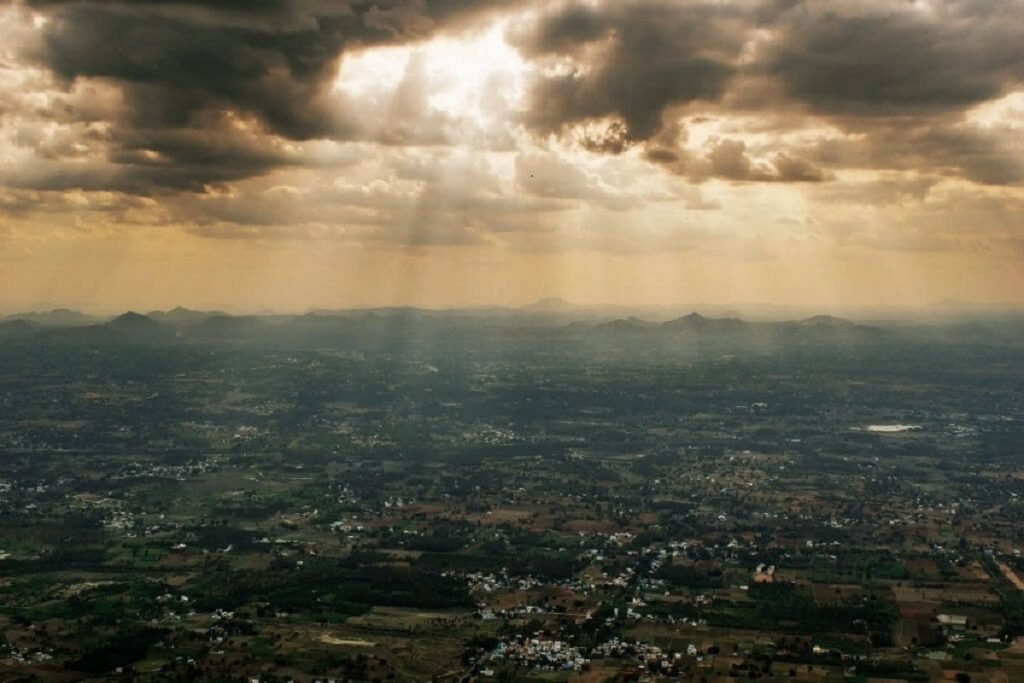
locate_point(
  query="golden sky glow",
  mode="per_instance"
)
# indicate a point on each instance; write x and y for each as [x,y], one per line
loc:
[328,154]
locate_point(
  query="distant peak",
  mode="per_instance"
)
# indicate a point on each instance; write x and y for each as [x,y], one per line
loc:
[551,303]
[827,321]
[698,323]
[693,319]
[132,319]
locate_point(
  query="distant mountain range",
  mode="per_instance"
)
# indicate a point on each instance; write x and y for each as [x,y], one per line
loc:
[696,325]
[182,315]
[58,317]
[551,317]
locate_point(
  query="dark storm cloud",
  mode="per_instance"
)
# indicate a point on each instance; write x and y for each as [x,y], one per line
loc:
[894,78]
[899,76]
[179,64]
[634,60]
[988,157]
[274,64]
[149,161]
[898,62]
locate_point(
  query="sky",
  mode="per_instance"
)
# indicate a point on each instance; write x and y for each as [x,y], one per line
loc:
[292,154]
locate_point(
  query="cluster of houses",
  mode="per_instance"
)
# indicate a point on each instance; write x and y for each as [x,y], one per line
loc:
[195,467]
[541,653]
[488,583]
[25,655]
[652,657]
[551,654]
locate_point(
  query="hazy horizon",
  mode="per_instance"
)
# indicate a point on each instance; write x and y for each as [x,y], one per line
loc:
[554,304]
[315,154]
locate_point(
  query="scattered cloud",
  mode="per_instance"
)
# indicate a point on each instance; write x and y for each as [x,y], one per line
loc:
[622,126]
